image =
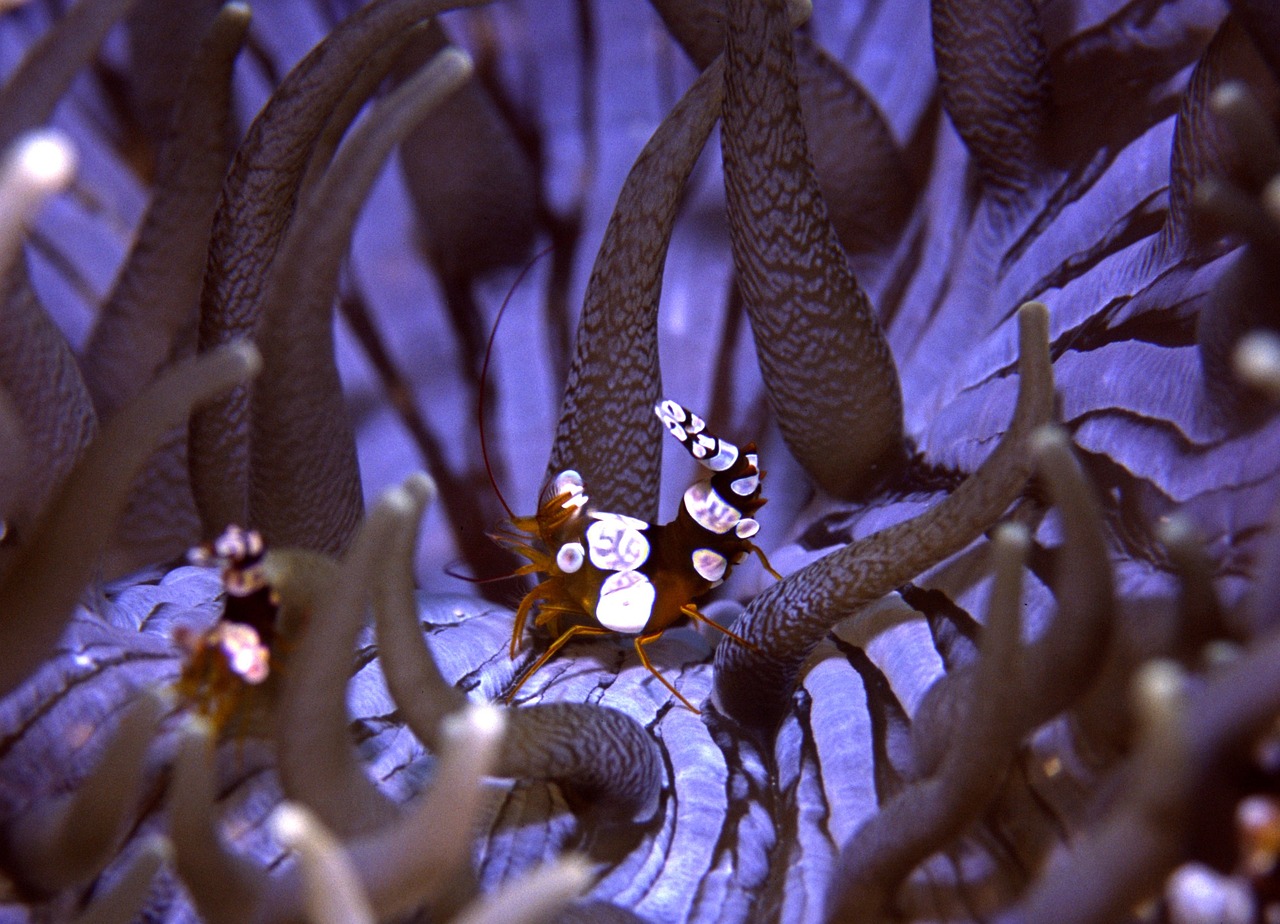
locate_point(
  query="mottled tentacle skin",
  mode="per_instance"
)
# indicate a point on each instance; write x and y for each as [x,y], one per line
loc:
[785,621]
[152,307]
[35,361]
[860,167]
[607,430]
[256,207]
[150,317]
[993,72]
[304,480]
[51,64]
[40,589]
[830,377]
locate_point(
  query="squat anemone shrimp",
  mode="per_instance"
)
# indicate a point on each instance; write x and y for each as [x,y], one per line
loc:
[629,577]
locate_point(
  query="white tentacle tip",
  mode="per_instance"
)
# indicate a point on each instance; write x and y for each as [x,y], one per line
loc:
[1257,362]
[291,823]
[45,159]
[423,487]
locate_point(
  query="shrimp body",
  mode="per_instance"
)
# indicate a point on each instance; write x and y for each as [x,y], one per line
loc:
[608,573]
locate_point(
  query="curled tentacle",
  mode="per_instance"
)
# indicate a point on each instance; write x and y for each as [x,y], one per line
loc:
[304,487]
[784,623]
[607,430]
[40,590]
[825,361]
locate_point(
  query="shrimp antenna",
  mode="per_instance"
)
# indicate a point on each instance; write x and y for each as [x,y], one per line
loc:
[484,376]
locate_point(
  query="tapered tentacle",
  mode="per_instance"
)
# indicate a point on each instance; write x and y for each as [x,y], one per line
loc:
[539,897]
[785,621]
[304,487]
[471,183]
[254,212]
[36,166]
[1067,656]
[932,812]
[319,766]
[61,843]
[332,893]
[35,361]
[825,361]
[40,590]
[149,318]
[993,73]
[29,96]
[607,430]
[1221,131]
[414,858]
[225,887]
[151,311]
[164,39]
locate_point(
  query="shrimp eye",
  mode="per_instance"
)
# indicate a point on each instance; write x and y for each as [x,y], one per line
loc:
[570,557]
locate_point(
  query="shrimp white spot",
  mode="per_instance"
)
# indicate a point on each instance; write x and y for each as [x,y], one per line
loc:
[744,487]
[626,602]
[617,545]
[725,456]
[747,528]
[669,410]
[570,557]
[709,563]
[630,522]
[696,424]
[709,509]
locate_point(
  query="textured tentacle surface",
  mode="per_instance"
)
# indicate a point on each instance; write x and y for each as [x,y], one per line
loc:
[787,620]
[304,487]
[832,381]
[607,430]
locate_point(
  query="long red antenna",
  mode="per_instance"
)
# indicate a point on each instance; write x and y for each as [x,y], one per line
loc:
[484,375]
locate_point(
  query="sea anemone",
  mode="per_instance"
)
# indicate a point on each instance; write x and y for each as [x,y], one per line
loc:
[1010,275]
